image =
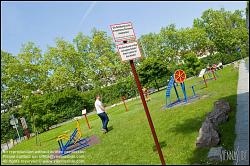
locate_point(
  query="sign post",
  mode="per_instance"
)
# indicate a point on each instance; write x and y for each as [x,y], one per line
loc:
[147,112]
[84,113]
[129,51]
[14,123]
[123,99]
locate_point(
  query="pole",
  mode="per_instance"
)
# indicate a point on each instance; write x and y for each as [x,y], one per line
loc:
[176,92]
[213,75]
[123,99]
[193,90]
[184,91]
[204,80]
[147,112]
[17,132]
[15,126]
[87,121]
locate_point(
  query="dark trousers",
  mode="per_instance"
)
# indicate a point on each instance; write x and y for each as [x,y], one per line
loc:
[105,119]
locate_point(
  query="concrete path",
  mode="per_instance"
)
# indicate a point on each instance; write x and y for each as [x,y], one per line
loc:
[241,144]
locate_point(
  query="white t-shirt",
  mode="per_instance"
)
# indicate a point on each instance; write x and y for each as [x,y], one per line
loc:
[98,105]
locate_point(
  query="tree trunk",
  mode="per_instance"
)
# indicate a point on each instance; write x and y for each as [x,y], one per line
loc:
[157,85]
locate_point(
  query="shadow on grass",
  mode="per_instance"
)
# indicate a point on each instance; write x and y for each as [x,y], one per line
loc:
[162,144]
[226,132]
[110,128]
[204,87]
[188,126]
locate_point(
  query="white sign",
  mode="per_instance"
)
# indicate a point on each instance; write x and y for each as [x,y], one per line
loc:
[202,72]
[129,51]
[123,31]
[84,112]
[13,121]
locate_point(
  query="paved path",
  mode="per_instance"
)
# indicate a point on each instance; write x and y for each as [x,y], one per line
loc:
[241,144]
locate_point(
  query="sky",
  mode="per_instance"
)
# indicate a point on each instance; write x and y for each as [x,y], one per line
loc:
[42,22]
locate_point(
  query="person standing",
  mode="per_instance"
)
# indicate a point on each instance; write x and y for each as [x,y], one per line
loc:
[101,113]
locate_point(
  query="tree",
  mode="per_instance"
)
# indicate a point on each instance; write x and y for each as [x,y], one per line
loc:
[21,74]
[170,45]
[151,70]
[225,29]
[150,45]
[195,40]
[65,66]
[11,81]
[106,67]
[31,70]
[191,65]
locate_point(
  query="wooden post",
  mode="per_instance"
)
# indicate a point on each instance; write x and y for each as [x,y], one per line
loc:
[87,121]
[214,75]
[204,80]
[123,99]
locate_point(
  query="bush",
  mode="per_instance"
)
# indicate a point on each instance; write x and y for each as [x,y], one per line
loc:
[112,94]
[49,109]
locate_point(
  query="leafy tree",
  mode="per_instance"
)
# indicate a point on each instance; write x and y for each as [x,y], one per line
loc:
[225,29]
[11,85]
[150,45]
[151,70]
[30,69]
[192,64]
[66,67]
[106,65]
[195,40]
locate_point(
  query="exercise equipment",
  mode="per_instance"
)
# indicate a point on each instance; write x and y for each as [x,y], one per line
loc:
[210,70]
[86,142]
[178,77]
[74,141]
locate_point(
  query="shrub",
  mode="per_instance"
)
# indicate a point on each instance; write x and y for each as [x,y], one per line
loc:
[49,109]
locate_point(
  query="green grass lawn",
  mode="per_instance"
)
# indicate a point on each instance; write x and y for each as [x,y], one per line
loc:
[130,141]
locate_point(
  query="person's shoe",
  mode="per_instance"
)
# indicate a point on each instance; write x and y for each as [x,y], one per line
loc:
[104,131]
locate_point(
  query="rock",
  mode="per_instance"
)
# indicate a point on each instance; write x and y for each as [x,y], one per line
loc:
[222,105]
[215,153]
[220,113]
[208,136]
[208,133]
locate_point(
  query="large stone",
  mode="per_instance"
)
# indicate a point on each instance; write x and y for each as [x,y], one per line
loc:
[208,133]
[220,113]
[222,105]
[215,153]
[208,136]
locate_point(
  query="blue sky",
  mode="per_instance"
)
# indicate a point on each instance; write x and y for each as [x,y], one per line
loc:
[41,22]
